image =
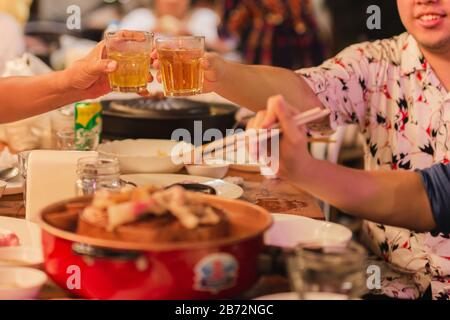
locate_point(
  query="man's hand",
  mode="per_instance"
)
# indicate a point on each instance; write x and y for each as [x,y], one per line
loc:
[294,155]
[213,65]
[89,76]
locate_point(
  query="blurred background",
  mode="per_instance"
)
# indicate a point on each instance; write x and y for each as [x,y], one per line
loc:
[39,35]
[288,33]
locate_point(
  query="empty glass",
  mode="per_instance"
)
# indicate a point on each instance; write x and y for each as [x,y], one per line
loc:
[328,273]
[23,167]
[96,173]
[81,140]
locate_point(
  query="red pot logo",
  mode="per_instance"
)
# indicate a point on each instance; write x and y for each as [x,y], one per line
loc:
[216,273]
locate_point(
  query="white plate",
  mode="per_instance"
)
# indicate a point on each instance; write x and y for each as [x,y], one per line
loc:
[311,296]
[224,189]
[21,256]
[26,283]
[279,296]
[29,233]
[289,231]
[14,186]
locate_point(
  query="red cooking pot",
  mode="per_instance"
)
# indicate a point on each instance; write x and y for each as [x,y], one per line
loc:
[106,269]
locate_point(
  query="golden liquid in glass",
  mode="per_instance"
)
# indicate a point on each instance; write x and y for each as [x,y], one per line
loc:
[181,72]
[132,71]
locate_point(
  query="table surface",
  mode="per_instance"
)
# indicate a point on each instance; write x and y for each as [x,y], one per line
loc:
[275,195]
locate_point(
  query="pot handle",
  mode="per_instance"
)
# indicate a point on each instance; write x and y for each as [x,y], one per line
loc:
[87,250]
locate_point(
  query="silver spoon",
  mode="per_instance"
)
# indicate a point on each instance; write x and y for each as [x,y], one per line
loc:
[9,173]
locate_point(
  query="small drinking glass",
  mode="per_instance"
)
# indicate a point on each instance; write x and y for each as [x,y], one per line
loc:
[328,272]
[81,140]
[180,59]
[23,167]
[132,52]
[96,173]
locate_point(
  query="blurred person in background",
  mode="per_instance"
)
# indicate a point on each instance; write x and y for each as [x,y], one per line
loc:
[13,15]
[12,42]
[283,33]
[19,9]
[177,18]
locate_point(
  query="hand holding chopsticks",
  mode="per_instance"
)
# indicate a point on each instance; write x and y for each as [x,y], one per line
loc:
[231,144]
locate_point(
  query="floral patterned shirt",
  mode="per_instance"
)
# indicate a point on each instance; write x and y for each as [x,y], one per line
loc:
[388,88]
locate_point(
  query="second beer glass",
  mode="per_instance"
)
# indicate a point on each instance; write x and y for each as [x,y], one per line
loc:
[179,59]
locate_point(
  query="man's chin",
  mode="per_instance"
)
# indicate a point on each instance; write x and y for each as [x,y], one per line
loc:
[435,44]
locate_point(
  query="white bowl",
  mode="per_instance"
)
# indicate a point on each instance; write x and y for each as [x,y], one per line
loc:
[18,283]
[216,171]
[29,233]
[143,155]
[21,256]
[288,231]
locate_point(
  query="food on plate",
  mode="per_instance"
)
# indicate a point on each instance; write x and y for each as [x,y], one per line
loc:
[195,187]
[8,238]
[150,215]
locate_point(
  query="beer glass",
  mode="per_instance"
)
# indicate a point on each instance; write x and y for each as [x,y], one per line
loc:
[179,59]
[131,50]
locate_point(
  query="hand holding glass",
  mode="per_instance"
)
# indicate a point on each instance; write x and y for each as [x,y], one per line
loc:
[180,59]
[131,50]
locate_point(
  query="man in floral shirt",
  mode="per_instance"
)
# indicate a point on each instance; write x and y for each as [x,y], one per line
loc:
[396,90]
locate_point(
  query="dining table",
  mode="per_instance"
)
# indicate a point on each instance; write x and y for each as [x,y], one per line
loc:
[275,195]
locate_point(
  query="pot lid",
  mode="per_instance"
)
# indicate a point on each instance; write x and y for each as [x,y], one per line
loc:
[157,108]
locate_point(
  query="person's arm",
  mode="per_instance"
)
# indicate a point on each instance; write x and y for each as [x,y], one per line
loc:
[23,97]
[393,198]
[436,181]
[339,84]
[251,85]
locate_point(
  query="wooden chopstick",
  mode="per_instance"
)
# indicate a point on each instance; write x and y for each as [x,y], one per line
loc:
[304,116]
[222,144]
[321,140]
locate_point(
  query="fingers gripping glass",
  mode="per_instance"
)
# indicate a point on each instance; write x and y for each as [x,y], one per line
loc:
[131,50]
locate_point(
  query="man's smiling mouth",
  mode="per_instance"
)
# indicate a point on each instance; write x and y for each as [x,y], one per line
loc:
[430,19]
